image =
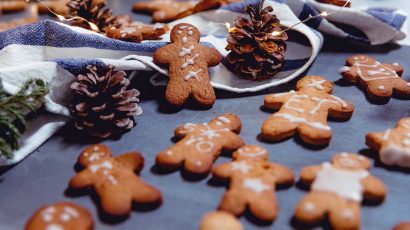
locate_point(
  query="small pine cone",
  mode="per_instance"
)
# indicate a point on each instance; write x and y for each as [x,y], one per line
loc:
[94,11]
[255,52]
[102,105]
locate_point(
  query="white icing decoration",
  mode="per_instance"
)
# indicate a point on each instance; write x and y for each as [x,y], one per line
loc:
[394,155]
[183,27]
[198,163]
[190,33]
[189,61]
[283,94]
[95,156]
[386,134]
[96,148]
[127,30]
[47,214]
[223,119]
[105,165]
[184,40]
[291,118]
[245,151]
[241,166]
[179,32]
[218,123]
[396,64]
[158,26]
[161,14]
[344,69]
[380,87]
[347,214]
[186,51]
[54,227]
[295,98]
[345,183]
[309,207]
[408,84]
[318,84]
[256,185]
[112,179]
[187,128]
[376,72]
[168,153]
[203,141]
[338,99]
[320,102]
[192,74]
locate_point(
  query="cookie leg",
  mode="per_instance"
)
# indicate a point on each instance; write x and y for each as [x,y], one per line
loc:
[315,136]
[233,201]
[312,208]
[170,158]
[198,163]
[345,216]
[402,88]
[145,193]
[277,128]
[177,92]
[379,90]
[115,201]
[203,92]
[264,207]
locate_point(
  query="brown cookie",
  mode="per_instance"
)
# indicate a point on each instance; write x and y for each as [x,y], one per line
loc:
[114,179]
[393,144]
[16,22]
[188,62]
[163,10]
[379,79]
[220,221]
[402,226]
[305,110]
[336,2]
[8,6]
[137,32]
[201,144]
[252,183]
[337,190]
[57,6]
[62,215]
[204,5]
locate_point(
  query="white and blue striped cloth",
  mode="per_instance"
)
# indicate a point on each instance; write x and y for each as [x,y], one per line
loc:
[56,52]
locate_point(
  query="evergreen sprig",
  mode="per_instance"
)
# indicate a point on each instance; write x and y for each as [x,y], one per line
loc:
[15,110]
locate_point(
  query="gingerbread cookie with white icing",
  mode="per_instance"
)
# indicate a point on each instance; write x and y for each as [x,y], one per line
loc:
[220,220]
[8,6]
[393,144]
[163,10]
[137,32]
[201,144]
[188,62]
[305,110]
[114,179]
[380,80]
[337,191]
[252,183]
[58,216]
[344,3]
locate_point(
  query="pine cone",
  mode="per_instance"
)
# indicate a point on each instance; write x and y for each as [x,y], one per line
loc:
[94,11]
[255,52]
[102,105]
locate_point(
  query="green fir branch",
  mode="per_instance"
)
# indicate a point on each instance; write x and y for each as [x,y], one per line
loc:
[14,111]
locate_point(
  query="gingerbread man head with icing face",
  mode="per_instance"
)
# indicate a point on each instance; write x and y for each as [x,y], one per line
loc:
[360,59]
[185,33]
[350,161]
[317,83]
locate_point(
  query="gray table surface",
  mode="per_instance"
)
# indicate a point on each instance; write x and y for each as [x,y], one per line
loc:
[42,178]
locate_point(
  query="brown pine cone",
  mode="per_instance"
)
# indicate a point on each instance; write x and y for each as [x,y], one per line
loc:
[102,105]
[256,53]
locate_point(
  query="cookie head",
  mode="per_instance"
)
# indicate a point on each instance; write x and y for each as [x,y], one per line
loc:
[227,120]
[360,59]
[405,123]
[185,33]
[251,152]
[351,161]
[315,83]
[94,153]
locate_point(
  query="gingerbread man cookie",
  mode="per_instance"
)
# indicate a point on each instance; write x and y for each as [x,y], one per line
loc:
[337,190]
[220,220]
[393,144]
[252,183]
[163,10]
[137,32]
[379,79]
[305,110]
[188,63]
[114,179]
[57,6]
[344,3]
[8,6]
[201,144]
[58,216]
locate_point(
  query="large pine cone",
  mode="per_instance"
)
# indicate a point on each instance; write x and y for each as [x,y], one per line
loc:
[255,52]
[94,11]
[102,105]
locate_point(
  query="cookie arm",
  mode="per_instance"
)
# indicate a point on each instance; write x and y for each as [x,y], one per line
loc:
[349,73]
[83,179]
[308,174]
[340,109]
[396,67]
[283,175]
[374,140]
[163,55]
[131,160]
[275,101]
[223,171]
[213,57]
[185,129]
[232,141]
[373,189]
